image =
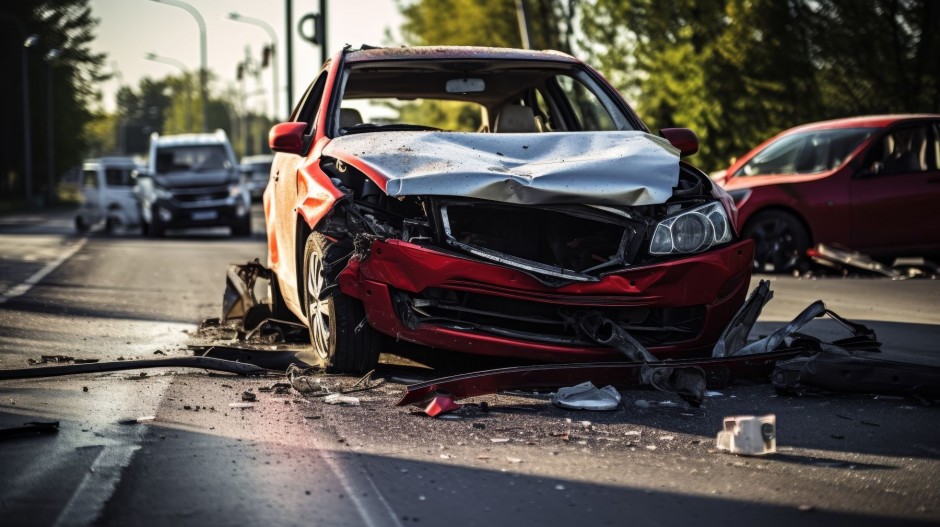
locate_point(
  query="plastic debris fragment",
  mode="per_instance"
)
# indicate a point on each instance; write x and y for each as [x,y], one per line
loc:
[586,396]
[749,435]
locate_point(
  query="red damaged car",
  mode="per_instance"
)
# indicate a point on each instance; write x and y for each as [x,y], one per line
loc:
[869,183]
[487,201]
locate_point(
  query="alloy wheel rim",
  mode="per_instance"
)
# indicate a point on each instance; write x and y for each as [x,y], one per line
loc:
[776,245]
[318,311]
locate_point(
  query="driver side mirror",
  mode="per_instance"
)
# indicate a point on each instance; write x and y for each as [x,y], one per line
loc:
[682,138]
[287,138]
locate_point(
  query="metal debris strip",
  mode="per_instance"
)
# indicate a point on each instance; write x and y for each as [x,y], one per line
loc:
[531,169]
[734,337]
[844,260]
[686,382]
[310,381]
[586,396]
[203,363]
[785,335]
[30,429]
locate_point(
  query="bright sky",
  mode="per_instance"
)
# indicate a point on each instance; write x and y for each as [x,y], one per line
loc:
[129,29]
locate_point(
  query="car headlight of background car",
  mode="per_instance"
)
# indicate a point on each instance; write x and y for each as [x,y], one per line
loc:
[692,231]
[235,191]
[161,193]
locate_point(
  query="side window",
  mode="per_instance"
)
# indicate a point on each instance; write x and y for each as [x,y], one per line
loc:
[905,150]
[118,177]
[307,111]
[90,178]
[588,110]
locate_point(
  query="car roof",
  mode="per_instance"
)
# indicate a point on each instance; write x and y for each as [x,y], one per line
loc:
[455,52]
[865,121]
[190,139]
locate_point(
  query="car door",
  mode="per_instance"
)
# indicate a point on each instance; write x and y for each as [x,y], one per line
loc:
[896,192]
[91,195]
[284,195]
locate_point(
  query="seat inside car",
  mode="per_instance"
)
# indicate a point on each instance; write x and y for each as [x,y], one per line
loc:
[515,119]
[349,117]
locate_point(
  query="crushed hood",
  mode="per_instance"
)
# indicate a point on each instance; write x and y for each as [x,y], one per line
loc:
[593,168]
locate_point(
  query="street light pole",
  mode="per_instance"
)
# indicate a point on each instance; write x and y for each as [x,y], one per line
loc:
[51,57]
[170,61]
[234,16]
[203,96]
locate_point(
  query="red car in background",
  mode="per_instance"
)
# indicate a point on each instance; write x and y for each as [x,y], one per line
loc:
[869,183]
[492,202]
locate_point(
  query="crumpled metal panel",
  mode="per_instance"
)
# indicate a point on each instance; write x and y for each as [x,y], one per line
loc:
[592,168]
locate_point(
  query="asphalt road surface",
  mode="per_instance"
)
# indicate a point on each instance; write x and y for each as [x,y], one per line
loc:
[290,460]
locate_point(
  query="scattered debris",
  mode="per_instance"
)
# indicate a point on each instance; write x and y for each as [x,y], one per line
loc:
[137,420]
[340,399]
[100,367]
[60,359]
[241,405]
[586,396]
[440,405]
[843,260]
[857,365]
[29,429]
[249,396]
[749,435]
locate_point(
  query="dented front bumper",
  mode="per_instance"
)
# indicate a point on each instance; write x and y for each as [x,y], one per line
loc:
[676,308]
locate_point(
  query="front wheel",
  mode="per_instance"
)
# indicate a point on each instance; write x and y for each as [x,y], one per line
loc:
[780,241]
[341,336]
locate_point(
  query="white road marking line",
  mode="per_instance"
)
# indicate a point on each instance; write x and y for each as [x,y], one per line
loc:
[98,486]
[21,289]
[373,515]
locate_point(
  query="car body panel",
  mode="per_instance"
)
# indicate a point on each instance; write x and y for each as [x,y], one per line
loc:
[720,278]
[518,168]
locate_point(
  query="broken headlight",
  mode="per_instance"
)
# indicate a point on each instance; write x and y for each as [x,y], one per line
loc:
[692,231]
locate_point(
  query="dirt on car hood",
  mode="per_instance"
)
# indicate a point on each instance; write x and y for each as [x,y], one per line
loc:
[594,168]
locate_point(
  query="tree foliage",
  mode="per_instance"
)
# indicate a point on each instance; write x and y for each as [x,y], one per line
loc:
[739,71]
[68,27]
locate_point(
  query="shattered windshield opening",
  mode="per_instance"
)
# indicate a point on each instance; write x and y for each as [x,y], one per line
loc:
[500,97]
[191,158]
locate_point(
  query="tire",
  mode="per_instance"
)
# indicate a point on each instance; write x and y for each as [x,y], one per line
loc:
[780,241]
[155,229]
[341,337]
[81,225]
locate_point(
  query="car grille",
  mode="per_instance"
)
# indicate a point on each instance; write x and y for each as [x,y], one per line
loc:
[567,243]
[546,322]
[199,195]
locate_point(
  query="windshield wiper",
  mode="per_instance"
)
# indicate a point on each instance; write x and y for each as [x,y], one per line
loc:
[393,127]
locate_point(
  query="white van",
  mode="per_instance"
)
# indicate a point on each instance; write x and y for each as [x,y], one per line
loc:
[107,194]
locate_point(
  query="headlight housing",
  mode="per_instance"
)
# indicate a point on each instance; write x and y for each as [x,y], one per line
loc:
[692,231]
[162,193]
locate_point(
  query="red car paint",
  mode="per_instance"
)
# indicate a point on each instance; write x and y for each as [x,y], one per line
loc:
[877,213]
[722,274]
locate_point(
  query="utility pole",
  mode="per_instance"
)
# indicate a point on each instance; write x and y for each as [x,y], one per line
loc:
[203,68]
[289,45]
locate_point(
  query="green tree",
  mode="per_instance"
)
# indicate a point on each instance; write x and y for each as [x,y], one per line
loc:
[739,71]
[66,26]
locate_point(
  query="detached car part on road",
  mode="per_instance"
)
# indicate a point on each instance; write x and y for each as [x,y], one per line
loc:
[495,202]
[192,181]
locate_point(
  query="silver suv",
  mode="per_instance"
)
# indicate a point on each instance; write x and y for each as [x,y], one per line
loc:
[192,181]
